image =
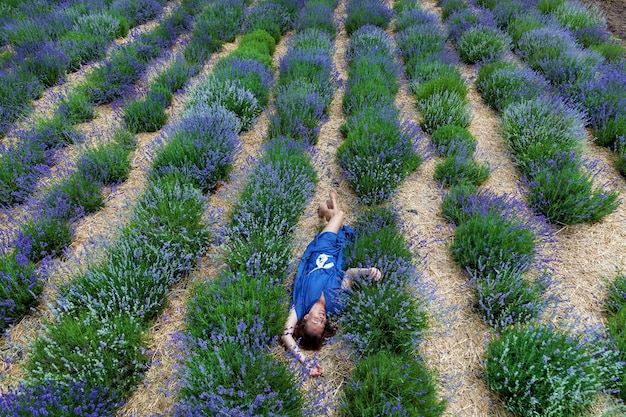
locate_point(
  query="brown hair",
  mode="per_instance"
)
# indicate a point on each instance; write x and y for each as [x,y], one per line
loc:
[310,341]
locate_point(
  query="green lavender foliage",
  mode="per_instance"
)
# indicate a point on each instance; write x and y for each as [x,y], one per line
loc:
[539,370]
[390,385]
[64,353]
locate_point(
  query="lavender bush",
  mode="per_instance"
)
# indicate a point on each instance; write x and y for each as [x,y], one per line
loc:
[311,40]
[418,42]
[59,399]
[383,321]
[488,242]
[482,44]
[383,316]
[604,100]
[314,67]
[20,289]
[65,354]
[47,234]
[317,15]
[448,81]
[564,191]
[20,167]
[75,108]
[137,12]
[366,12]
[298,108]
[452,139]
[237,376]
[251,75]
[505,297]
[575,16]
[414,18]
[460,168]
[212,310]
[17,88]
[269,16]
[200,147]
[218,22]
[379,152]
[444,108]
[158,247]
[519,24]
[549,122]
[147,115]
[228,94]
[259,238]
[369,40]
[47,62]
[502,83]
[391,385]
[541,370]
[371,83]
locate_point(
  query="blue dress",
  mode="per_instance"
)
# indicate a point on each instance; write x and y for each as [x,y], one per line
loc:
[320,272]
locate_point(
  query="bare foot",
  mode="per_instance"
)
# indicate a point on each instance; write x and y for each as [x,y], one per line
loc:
[327,210]
[333,199]
[322,210]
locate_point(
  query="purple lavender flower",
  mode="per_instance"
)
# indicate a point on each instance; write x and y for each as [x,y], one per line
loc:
[251,74]
[137,11]
[71,399]
[298,111]
[366,12]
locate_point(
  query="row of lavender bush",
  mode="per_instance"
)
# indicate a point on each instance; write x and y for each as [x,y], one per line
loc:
[494,240]
[616,323]
[234,319]
[93,354]
[23,163]
[544,131]
[565,372]
[47,231]
[91,358]
[218,22]
[551,37]
[379,151]
[47,41]
[568,43]
[383,320]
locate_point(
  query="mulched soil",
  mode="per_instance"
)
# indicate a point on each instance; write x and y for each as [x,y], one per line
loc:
[615,12]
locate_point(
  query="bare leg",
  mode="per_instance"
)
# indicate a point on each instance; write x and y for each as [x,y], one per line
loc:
[335,222]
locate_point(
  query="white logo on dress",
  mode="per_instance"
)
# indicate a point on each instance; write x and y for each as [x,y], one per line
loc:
[321,263]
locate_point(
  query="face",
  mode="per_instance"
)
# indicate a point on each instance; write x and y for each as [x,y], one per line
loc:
[316,319]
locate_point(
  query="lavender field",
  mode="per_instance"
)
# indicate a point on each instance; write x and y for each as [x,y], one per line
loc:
[160,169]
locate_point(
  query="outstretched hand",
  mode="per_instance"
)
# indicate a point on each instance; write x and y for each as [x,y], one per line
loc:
[315,370]
[375,273]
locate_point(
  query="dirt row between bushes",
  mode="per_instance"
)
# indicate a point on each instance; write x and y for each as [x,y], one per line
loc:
[615,12]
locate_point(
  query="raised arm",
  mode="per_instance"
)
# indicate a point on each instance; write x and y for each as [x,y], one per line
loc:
[350,274]
[291,345]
